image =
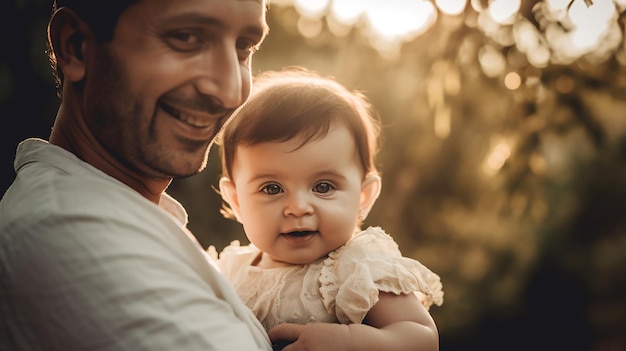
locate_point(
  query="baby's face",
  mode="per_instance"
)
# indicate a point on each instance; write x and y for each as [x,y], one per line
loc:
[297,205]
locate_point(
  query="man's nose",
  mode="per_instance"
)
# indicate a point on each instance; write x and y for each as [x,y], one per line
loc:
[221,76]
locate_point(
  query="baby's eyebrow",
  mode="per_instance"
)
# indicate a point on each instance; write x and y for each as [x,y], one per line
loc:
[262,177]
[330,174]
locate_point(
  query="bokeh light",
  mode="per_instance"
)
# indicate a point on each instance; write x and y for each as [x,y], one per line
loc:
[512,80]
[504,11]
[567,29]
[451,7]
[401,18]
[347,12]
[496,158]
[311,8]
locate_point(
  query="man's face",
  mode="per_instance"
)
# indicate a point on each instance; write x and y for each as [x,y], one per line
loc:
[158,93]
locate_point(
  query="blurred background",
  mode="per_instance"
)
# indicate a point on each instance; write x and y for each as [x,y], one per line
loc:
[503,158]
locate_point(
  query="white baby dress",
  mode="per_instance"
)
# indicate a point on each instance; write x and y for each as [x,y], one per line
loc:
[342,287]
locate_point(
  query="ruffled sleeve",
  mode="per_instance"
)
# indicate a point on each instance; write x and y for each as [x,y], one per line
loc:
[234,258]
[352,276]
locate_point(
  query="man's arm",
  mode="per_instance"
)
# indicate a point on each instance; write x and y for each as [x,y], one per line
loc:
[82,283]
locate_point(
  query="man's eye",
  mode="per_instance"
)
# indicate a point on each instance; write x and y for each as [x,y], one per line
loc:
[246,48]
[183,36]
[272,189]
[323,187]
[184,41]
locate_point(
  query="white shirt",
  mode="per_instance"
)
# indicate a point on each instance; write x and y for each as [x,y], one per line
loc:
[87,263]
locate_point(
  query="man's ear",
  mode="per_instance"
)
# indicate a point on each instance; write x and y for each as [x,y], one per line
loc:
[67,33]
[370,189]
[229,195]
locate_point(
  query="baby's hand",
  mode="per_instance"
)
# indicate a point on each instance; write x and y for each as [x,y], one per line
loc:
[280,345]
[310,337]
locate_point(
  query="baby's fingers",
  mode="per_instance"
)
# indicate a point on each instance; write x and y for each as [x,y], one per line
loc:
[310,337]
[284,334]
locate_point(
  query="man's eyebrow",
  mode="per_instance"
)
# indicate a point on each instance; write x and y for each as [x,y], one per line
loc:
[260,30]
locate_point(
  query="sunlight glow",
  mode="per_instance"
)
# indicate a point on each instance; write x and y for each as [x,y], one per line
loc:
[451,7]
[311,8]
[504,11]
[558,5]
[590,29]
[395,22]
[526,35]
[491,61]
[590,23]
[400,18]
[347,11]
[309,28]
[565,31]
[496,158]
[529,41]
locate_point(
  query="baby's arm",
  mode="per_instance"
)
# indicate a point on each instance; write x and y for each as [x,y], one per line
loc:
[403,322]
[396,322]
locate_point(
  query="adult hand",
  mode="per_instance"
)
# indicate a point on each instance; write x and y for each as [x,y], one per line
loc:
[310,337]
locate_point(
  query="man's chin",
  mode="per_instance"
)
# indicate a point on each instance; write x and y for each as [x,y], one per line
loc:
[181,164]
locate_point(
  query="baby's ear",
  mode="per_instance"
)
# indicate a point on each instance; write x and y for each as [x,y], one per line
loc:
[370,189]
[229,195]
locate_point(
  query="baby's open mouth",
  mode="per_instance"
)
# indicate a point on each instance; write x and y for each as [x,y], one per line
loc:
[300,233]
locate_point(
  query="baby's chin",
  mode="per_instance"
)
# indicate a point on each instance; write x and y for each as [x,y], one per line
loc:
[268,261]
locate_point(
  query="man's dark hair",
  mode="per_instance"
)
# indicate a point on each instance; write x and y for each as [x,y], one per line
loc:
[102,20]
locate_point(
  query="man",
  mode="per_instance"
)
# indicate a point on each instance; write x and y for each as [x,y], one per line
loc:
[94,255]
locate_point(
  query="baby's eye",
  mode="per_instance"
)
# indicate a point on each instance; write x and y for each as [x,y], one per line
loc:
[323,187]
[272,189]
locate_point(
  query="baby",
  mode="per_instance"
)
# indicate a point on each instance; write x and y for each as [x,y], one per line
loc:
[299,173]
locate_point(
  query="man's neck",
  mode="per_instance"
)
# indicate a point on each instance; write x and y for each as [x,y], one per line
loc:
[71,133]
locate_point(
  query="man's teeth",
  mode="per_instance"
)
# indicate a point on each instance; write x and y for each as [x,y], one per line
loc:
[189,119]
[192,121]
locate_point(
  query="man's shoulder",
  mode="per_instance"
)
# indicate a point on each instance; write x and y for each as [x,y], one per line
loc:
[53,192]
[54,203]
